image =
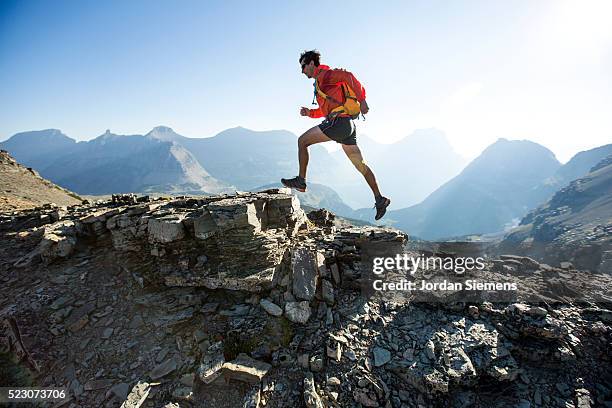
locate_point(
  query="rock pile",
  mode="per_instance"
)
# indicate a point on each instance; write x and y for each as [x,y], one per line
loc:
[245,301]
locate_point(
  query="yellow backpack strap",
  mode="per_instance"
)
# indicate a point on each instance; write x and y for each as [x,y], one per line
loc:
[348,92]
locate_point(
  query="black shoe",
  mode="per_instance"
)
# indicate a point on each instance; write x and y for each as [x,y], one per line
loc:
[297,182]
[381,207]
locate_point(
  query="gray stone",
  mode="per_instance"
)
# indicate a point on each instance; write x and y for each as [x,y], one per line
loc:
[335,273]
[166,229]
[76,388]
[120,390]
[183,393]
[333,381]
[381,356]
[316,363]
[304,274]
[528,263]
[246,369]
[204,226]
[107,333]
[188,379]
[297,312]
[272,308]
[163,369]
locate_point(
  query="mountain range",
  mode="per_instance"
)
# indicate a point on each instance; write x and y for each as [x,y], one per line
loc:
[490,194]
[113,163]
[509,178]
[236,158]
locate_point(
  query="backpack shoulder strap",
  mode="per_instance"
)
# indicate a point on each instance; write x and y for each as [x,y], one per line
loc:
[321,93]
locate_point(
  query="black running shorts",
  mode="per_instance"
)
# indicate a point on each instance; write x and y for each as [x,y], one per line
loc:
[341,130]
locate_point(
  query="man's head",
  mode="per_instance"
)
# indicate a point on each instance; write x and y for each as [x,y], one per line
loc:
[309,60]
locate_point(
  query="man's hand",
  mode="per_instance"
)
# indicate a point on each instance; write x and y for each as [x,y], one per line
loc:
[363,105]
[304,111]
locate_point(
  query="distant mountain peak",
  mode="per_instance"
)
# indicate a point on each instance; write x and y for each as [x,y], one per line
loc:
[163,133]
[105,136]
[162,128]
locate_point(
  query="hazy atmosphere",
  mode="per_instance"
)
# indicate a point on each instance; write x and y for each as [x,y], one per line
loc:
[173,233]
[476,70]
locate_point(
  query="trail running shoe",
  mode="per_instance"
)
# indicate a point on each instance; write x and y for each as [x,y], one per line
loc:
[297,182]
[381,207]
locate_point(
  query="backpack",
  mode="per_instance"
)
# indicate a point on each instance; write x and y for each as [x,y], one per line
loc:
[351,105]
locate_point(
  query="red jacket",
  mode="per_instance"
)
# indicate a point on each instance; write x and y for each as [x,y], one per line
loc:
[329,82]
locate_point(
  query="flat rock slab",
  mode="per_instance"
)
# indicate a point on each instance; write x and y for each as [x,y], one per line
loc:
[246,369]
[166,229]
[120,390]
[255,283]
[381,356]
[163,369]
[304,274]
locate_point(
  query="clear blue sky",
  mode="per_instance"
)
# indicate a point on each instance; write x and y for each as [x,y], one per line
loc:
[478,70]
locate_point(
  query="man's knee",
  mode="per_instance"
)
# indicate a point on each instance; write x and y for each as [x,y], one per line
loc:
[303,141]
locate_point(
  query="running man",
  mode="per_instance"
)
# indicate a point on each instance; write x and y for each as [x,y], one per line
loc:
[335,90]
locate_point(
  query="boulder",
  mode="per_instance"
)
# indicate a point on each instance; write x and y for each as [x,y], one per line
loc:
[304,274]
[166,229]
[297,312]
[246,369]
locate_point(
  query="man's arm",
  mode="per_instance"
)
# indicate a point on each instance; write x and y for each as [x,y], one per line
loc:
[315,113]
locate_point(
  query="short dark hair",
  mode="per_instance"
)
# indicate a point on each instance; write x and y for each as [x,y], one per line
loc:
[312,55]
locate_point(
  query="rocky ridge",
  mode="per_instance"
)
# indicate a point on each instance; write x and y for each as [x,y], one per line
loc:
[246,301]
[575,225]
[22,187]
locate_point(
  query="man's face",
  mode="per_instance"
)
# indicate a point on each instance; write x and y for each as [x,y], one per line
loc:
[308,69]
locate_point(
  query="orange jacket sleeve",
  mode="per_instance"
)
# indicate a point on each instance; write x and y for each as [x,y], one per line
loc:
[315,113]
[340,75]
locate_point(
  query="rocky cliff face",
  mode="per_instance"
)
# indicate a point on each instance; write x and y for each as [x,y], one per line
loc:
[574,225]
[244,301]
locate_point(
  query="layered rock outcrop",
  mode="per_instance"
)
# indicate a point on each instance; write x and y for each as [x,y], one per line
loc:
[245,301]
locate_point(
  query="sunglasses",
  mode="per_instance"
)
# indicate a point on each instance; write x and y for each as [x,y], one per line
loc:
[303,65]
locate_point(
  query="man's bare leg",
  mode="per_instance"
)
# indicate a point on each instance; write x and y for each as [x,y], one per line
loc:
[355,156]
[311,136]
